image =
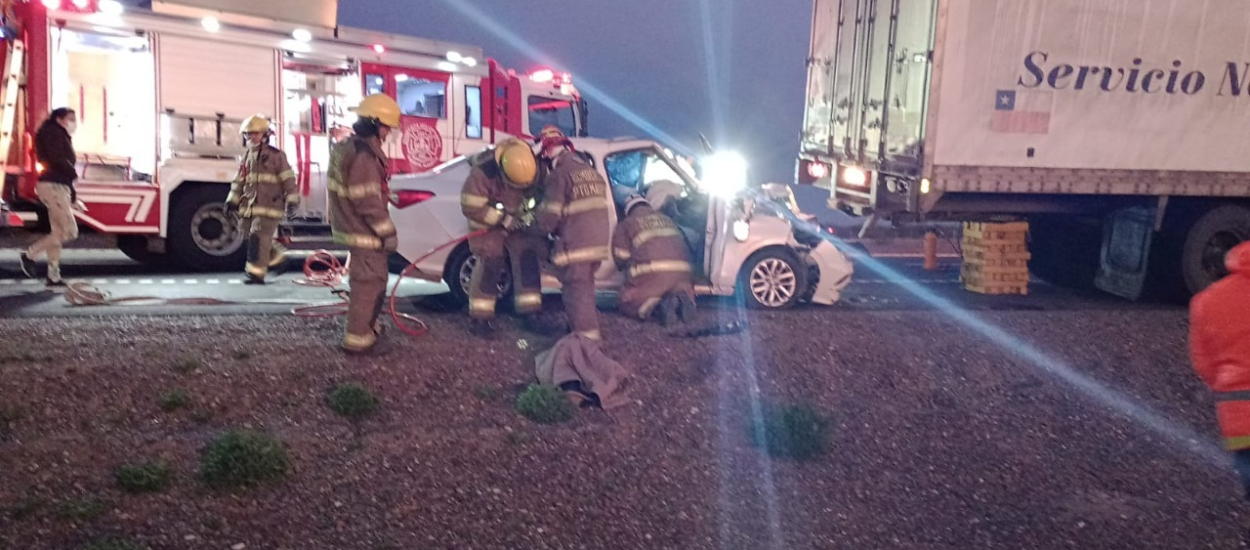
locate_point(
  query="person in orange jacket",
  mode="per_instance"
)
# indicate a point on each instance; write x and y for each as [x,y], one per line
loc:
[1219,342]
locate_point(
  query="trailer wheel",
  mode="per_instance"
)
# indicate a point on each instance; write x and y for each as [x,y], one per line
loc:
[135,247]
[201,236]
[773,278]
[460,269]
[1208,242]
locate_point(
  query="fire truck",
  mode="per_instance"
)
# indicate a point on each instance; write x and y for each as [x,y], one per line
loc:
[160,95]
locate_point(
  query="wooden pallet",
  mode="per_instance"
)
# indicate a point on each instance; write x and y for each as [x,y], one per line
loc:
[980,246]
[997,288]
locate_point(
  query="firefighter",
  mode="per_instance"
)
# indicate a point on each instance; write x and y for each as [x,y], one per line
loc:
[500,195]
[574,210]
[649,248]
[360,217]
[263,193]
[1219,342]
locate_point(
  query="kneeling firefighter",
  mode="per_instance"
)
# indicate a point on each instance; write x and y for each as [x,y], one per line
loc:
[360,216]
[649,248]
[263,193]
[499,195]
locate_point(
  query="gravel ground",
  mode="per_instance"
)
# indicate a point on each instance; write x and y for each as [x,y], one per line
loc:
[941,440]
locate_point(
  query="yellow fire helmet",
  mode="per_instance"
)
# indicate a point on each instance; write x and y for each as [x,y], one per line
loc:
[381,107]
[517,160]
[255,123]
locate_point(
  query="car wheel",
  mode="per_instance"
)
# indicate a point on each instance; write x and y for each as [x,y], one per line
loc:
[459,271]
[773,278]
[202,237]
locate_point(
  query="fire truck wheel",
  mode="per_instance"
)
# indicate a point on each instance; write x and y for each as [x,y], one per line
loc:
[135,247]
[202,237]
[458,271]
[773,278]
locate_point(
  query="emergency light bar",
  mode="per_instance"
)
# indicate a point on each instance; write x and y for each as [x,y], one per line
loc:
[79,6]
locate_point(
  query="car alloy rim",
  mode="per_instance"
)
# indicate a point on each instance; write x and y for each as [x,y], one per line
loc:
[773,282]
[466,276]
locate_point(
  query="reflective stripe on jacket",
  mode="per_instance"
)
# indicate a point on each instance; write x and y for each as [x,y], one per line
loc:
[575,209]
[265,183]
[359,207]
[649,242]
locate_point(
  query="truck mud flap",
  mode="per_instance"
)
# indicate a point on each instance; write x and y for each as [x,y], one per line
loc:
[1126,238]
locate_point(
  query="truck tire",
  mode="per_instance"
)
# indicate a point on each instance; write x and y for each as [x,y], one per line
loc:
[773,278]
[135,247]
[1065,250]
[201,236]
[459,268]
[1207,243]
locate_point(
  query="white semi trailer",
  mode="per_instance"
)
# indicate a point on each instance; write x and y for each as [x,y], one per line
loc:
[1120,129]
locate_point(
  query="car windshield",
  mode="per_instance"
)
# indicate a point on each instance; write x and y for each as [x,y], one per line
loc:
[548,111]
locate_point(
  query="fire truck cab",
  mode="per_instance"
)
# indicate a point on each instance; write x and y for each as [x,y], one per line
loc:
[161,94]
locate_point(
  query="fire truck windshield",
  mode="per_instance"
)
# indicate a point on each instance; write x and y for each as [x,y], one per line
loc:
[546,111]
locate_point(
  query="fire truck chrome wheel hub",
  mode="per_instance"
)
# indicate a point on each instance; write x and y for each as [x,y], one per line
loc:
[214,232]
[773,282]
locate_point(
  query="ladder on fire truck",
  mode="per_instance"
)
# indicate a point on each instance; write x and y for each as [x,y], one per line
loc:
[9,86]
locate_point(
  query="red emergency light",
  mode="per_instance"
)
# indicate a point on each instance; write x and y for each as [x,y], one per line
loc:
[81,6]
[406,197]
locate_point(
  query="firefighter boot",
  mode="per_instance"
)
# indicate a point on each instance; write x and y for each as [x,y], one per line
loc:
[686,308]
[667,312]
[482,328]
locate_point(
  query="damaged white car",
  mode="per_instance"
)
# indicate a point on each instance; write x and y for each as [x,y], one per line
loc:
[741,241]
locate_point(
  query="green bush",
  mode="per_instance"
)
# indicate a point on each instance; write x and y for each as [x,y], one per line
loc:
[798,431]
[173,400]
[114,544]
[544,405]
[82,509]
[240,458]
[353,401]
[145,477]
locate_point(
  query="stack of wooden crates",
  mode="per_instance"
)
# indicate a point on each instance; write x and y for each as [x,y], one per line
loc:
[996,257]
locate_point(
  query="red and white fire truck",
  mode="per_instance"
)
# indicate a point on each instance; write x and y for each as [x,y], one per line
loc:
[161,93]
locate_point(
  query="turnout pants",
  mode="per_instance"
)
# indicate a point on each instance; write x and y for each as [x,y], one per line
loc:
[640,295]
[56,197]
[367,287]
[523,252]
[262,252]
[578,281]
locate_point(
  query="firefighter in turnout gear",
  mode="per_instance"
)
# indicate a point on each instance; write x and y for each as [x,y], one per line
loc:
[649,248]
[262,194]
[500,195]
[360,217]
[575,210]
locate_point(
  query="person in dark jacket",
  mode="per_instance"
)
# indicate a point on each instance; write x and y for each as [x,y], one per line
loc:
[57,173]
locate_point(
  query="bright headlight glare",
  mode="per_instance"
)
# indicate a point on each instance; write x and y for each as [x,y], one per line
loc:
[725,174]
[854,176]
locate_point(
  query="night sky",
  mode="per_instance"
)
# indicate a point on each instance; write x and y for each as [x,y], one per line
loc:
[657,58]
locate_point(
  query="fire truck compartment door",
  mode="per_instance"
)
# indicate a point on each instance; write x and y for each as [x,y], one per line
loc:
[202,78]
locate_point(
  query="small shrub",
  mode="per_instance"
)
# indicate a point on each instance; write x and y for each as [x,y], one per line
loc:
[544,405]
[114,544]
[145,477]
[353,401]
[243,459]
[187,364]
[202,415]
[241,354]
[799,432]
[81,509]
[173,400]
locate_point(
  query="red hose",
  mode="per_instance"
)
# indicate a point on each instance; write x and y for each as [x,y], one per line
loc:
[395,314]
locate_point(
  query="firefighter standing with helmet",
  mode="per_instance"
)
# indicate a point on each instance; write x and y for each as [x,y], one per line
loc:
[575,210]
[263,193]
[360,217]
[649,248]
[499,195]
